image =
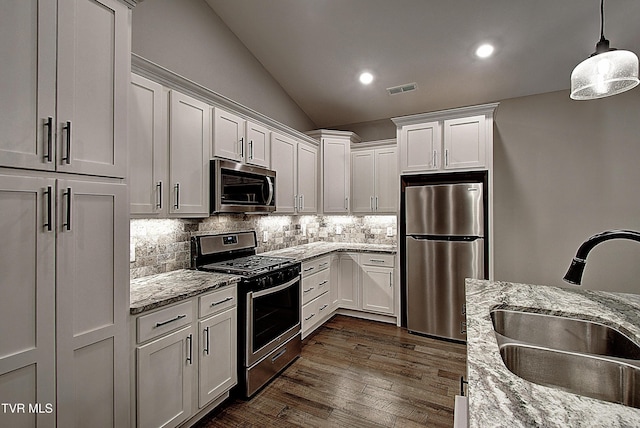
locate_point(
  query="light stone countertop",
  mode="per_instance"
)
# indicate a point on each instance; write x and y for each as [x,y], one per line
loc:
[154,291]
[499,398]
[316,249]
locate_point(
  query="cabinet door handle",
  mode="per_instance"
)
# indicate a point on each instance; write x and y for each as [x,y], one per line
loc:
[241,147]
[302,202]
[251,149]
[346,203]
[49,225]
[295,202]
[190,350]
[463,327]
[49,125]
[161,323]
[177,190]
[159,195]
[69,196]
[67,158]
[435,154]
[464,309]
[221,301]
[390,279]
[446,157]
[371,203]
[206,340]
[376,203]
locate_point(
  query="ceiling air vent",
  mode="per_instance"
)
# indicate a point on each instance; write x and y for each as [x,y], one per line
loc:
[407,87]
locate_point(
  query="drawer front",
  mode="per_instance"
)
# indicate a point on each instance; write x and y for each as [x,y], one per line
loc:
[315,265]
[217,301]
[377,259]
[315,285]
[315,312]
[163,321]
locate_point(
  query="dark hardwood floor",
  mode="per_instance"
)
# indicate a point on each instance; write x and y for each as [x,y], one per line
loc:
[357,373]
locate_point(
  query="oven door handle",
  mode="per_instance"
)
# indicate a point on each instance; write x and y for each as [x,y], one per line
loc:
[274,289]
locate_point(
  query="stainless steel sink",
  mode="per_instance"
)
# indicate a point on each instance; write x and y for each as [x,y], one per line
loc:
[583,357]
[563,333]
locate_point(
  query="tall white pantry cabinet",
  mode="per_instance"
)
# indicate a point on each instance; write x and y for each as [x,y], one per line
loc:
[64,224]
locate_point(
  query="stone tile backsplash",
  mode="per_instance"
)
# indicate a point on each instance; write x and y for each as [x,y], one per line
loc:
[162,245]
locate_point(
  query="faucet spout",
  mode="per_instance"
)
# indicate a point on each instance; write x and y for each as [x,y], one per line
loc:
[575,271]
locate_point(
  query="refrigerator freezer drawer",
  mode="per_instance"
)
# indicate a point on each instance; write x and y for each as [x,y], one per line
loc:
[445,209]
[436,271]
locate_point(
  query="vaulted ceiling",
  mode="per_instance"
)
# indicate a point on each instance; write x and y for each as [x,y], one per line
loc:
[316,49]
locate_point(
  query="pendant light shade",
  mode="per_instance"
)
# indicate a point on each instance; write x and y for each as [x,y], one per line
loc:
[606,72]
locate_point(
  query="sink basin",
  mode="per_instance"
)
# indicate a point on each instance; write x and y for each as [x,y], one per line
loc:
[582,374]
[583,357]
[563,333]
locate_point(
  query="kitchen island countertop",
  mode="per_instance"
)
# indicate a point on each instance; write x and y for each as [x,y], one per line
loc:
[499,398]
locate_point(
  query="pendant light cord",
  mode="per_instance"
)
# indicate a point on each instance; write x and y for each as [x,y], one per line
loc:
[602,20]
[603,44]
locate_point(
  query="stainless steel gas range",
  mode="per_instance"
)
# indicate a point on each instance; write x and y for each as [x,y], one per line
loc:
[269,335]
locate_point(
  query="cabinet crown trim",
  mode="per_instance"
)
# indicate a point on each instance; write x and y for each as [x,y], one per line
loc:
[172,80]
[483,109]
[319,134]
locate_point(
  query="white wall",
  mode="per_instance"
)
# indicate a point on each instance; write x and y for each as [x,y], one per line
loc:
[188,38]
[565,170]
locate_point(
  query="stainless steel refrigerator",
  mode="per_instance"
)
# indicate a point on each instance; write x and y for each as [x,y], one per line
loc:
[444,233]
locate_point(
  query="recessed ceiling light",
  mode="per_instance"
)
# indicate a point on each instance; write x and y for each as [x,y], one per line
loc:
[484,51]
[366,78]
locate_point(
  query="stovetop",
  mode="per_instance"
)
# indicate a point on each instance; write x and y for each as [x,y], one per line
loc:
[249,265]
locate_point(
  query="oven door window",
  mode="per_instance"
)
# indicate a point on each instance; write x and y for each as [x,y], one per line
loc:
[274,313]
[242,188]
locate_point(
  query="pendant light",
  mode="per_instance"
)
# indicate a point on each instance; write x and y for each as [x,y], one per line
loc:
[606,72]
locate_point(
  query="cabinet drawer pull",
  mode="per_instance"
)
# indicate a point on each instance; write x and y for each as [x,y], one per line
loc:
[68,195]
[190,353]
[67,157]
[309,269]
[463,327]
[49,125]
[323,264]
[323,282]
[309,317]
[376,261]
[177,189]
[179,317]
[206,339]
[323,307]
[307,290]
[221,301]
[49,225]
[159,195]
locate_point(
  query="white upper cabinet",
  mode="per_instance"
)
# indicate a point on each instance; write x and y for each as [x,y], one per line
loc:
[240,140]
[88,91]
[148,150]
[420,146]
[375,180]
[296,167]
[258,144]
[464,142]
[456,139]
[228,135]
[336,175]
[189,142]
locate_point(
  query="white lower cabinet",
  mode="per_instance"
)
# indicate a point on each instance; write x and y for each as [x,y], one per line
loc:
[316,279]
[184,366]
[377,283]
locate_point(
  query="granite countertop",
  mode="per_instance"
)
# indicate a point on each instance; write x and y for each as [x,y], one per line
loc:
[499,398]
[315,249]
[153,291]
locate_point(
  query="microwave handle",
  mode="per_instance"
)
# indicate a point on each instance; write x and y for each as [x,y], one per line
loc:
[270,184]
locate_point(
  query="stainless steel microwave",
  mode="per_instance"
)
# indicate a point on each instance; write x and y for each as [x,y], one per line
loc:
[239,188]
